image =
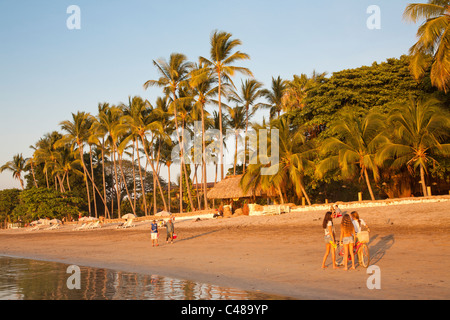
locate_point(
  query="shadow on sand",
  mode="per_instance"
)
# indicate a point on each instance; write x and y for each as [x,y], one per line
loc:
[379,247]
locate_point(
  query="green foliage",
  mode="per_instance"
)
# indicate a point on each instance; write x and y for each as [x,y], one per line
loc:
[375,87]
[38,203]
[9,199]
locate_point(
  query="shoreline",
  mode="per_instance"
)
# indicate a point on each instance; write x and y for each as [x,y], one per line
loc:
[279,254]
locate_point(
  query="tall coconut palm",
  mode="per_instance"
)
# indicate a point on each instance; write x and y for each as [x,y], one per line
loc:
[275,97]
[135,114]
[174,74]
[354,145]
[421,131]
[221,59]
[17,167]
[294,158]
[251,91]
[140,125]
[203,83]
[433,45]
[237,122]
[77,133]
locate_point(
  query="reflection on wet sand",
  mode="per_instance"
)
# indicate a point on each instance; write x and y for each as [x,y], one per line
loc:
[25,279]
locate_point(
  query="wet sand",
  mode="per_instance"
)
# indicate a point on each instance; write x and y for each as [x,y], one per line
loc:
[276,254]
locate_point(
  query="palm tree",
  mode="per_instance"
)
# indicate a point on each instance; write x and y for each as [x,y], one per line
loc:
[433,45]
[77,134]
[420,128]
[237,122]
[354,144]
[143,122]
[135,112]
[294,158]
[221,60]
[203,83]
[173,75]
[251,91]
[275,97]
[16,166]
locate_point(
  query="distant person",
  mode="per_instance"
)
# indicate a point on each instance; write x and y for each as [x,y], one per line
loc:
[337,211]
[170,230]
[347,239]
[154,233]
[330,243]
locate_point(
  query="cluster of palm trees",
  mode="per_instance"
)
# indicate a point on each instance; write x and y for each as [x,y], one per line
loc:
[145,134]
[413,136]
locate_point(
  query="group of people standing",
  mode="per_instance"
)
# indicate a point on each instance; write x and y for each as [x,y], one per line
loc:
[154,231]
[350,225]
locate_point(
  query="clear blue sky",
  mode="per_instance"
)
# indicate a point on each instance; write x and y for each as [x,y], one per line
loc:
[48,71]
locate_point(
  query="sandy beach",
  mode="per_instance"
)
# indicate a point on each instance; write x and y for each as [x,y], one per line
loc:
[276,254]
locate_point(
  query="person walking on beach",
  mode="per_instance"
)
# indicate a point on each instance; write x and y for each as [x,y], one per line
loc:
[154,233]
[347,238]
[330,243]
[170,230]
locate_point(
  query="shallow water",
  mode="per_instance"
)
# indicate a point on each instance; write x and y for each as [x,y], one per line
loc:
[26,279]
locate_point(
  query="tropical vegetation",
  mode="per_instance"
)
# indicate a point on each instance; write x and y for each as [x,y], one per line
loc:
[373,129]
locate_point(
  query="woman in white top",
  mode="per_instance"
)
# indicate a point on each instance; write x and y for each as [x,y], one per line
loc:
[358,223]
[329,239]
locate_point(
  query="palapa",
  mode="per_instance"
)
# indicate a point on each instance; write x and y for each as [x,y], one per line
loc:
[229,188]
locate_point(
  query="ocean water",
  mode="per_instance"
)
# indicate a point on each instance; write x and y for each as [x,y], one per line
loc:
[26,279]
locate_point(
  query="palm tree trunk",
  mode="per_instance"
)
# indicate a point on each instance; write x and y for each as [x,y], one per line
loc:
[169,195]
[205,198]
[153,170]
[185,173]
[281,194]
[85,177]
[235,152]
[220,126]
[92,175]
[142,179]
[368,184]
[125,183]
[117,181]
[245,140]
[32,172]
[304,193]
[104,181]
[422,180]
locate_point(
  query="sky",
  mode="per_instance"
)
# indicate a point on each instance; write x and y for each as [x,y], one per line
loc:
[48,71]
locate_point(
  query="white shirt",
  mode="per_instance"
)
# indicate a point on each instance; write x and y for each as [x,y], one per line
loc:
[327,231]
[357,226]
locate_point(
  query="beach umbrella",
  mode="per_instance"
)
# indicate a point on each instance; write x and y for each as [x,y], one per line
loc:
[163,214]
[87,219]
[129,216]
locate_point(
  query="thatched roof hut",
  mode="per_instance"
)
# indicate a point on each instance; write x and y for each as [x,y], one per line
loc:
[229,188]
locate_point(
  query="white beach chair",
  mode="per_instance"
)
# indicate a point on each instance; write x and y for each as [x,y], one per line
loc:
[124,225]
[53,227]
[34,228]
[94,225]
[130,224]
